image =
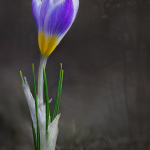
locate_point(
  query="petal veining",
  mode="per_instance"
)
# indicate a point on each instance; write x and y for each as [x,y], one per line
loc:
[45,6]
[76,6]
[60,18]
[35,4]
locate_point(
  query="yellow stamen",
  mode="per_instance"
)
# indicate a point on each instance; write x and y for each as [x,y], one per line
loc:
[47,44]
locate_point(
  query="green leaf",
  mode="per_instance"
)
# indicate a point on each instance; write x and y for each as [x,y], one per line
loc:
[36,110]
[21,77]
[58,94]
[34,136]
[60,89]
[46,100]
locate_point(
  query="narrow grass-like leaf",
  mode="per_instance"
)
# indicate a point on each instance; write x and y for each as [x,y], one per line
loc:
[36,110]
[57,95]
[60,89]
[21,77]
[34,136]
[46,99]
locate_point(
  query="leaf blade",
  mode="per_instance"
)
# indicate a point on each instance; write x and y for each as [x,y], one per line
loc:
[57,95]
[21,77]
[46,99]
[36,110]
[60,90]
[34,137]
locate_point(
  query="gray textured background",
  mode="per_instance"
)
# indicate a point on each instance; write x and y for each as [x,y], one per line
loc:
[105,100]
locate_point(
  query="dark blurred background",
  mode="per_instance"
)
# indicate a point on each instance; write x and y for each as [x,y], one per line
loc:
[105,102]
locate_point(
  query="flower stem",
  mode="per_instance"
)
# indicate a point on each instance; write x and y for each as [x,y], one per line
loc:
[40,79]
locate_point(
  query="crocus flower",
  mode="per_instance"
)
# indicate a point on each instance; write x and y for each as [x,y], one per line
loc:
[53,19]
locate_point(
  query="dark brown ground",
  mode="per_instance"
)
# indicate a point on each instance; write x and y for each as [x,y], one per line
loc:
[105,102]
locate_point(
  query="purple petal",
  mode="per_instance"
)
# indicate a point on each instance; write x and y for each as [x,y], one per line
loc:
[35,10]
[60,18]
[45,6]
